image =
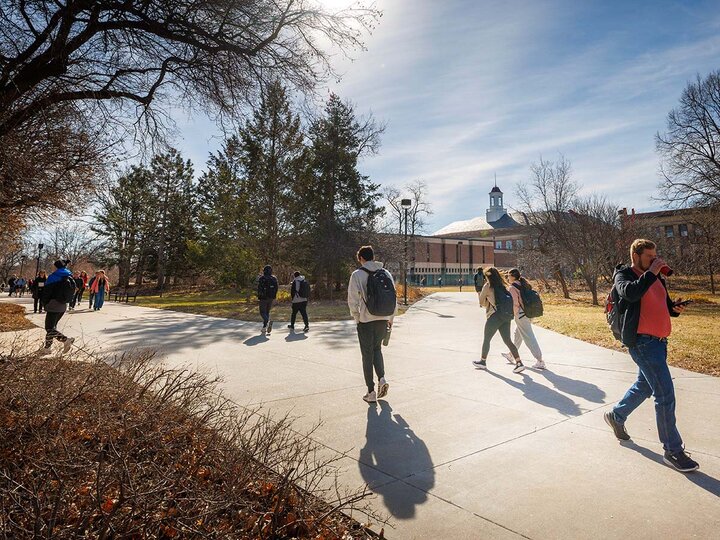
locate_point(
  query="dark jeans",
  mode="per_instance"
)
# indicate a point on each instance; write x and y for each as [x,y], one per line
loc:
[51,320]
[654,379]
[370,335]
[265,306]
[37,305]
[77,298]
[495,324]
[92,297]
[302,308]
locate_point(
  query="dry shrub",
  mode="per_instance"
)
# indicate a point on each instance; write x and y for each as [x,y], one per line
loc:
[123,447]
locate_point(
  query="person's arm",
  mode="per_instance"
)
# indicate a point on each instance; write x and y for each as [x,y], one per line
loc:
[517,301]
[632,290]
[675,311]
[354,297]
[484,294]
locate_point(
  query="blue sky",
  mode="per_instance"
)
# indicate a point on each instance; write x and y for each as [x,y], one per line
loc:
[473,88]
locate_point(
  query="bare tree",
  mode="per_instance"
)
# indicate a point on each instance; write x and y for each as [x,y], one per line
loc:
[690,148]
[75,75]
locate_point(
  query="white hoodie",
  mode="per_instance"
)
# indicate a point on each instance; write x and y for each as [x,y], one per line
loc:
[297,299]
[357,292]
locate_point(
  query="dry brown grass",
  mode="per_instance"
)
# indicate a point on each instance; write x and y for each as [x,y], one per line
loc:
[695,340]
[12,317]
[133,450]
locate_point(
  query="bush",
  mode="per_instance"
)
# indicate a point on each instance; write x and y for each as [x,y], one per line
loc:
[123,447]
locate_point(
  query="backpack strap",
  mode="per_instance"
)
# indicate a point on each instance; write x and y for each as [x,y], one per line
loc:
[370,272]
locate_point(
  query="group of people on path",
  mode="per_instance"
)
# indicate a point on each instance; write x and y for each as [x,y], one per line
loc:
[267,291]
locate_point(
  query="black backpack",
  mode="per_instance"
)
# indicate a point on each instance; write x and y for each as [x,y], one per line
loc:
[532,303]
[503,304]
[267,288]
[304,289]
[613,313]
[381,296]
[479,281]
[65,290]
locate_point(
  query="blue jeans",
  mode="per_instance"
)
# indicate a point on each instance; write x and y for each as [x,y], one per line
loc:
[99,298]
[650,354]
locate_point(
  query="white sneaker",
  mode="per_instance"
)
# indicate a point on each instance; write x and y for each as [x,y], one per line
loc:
[44,351]
[383,388]
[539,365]
[370,397]
[68,344]
[508,357]
[264,330]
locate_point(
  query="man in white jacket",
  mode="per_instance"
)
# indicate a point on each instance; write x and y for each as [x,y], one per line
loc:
[371,328]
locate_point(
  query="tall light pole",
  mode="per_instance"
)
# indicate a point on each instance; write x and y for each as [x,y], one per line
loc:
[461,273]
[22,264]
[405,204]
[37,267]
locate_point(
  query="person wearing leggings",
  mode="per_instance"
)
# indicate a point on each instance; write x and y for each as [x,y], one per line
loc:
[496,321]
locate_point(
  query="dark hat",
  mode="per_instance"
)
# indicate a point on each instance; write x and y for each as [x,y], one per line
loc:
[60,264]
[267,270]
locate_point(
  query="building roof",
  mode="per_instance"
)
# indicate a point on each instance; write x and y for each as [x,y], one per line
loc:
[495,189]
[516,219]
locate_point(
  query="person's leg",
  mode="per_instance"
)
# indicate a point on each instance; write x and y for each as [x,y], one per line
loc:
[525,329]
[504,330]
[303,312]
[79,296]
[636,394]
[365,338]
[379,329]
[517,337]
[36,301]
[91,297]
[293,315]
[491,326]
[99,299]
[51,331]
[264,312]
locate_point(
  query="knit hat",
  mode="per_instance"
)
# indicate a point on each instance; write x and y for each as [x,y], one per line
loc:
[59,264]
[267,271]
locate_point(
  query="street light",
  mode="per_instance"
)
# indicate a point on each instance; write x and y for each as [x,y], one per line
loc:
[22,264]
[405,204]
[461,272]
[37,268]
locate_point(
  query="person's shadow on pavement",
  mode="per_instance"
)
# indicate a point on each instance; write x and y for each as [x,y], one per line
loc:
[255,340]
[542,394]
[575,387]
[699,478]
[295,336]
[392,447]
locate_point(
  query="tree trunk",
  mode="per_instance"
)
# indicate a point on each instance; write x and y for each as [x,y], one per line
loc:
[561,279]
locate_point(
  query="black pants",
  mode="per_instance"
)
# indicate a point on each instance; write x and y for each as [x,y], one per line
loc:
[496,324]
[265,307]
[370,335]
[51,320]
[37,305]
[302,308]
[77,298]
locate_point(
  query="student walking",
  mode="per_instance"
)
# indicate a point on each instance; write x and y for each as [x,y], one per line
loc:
[479,280]
[58,291]
[37,289]
[373,304]
[299,295]
[266,293]
[91,294]
[523,324]
[81,283]
[645,309]
[498,304]
[11,285]
[100,288]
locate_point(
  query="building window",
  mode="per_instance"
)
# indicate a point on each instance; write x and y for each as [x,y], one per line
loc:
[683,230]
[508,244]
[492,201]
[498,244]
[669,233]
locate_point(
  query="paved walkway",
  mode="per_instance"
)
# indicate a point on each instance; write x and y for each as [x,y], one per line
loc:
[454,452]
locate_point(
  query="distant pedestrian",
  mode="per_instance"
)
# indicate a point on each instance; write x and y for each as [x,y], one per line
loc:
[100,287]
[479,280]
[57,293]
[81,282]
[498,304]
[11,285]
[373,304]
[645,311]
[20,286]
[440,282]
[460,283]
[91,294]
[266,292]
[299,295]
[37,289]
[423,281]
[523,324]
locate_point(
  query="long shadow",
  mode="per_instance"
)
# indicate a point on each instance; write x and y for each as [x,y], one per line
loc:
[542,394]
[295,336]
[699,478]
[575,387]
[441,315]
[392,447]
[256,340]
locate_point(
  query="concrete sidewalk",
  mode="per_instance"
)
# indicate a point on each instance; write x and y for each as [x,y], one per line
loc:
[453,452]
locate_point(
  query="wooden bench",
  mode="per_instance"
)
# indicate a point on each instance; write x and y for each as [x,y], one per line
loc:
[124,295]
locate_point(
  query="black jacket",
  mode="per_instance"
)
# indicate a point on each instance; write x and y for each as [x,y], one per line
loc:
[630,289]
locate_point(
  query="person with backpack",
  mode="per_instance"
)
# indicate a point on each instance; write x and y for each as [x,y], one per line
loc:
[91,294]
[81,283]
[644,312]
[37,290]
[525,302]
[373,303]
[299,295]
[57,293]
[100,287]
[266,292]
[498,304]
[479,280]
[11,285]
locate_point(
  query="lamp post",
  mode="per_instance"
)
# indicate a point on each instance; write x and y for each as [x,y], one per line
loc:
[37,267]
[461,272]
[22,264]
[405,204]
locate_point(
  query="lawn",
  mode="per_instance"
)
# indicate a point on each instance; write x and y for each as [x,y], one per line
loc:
[694,343]
[12,317]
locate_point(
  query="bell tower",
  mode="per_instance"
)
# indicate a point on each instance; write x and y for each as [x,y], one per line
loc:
[496,210]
